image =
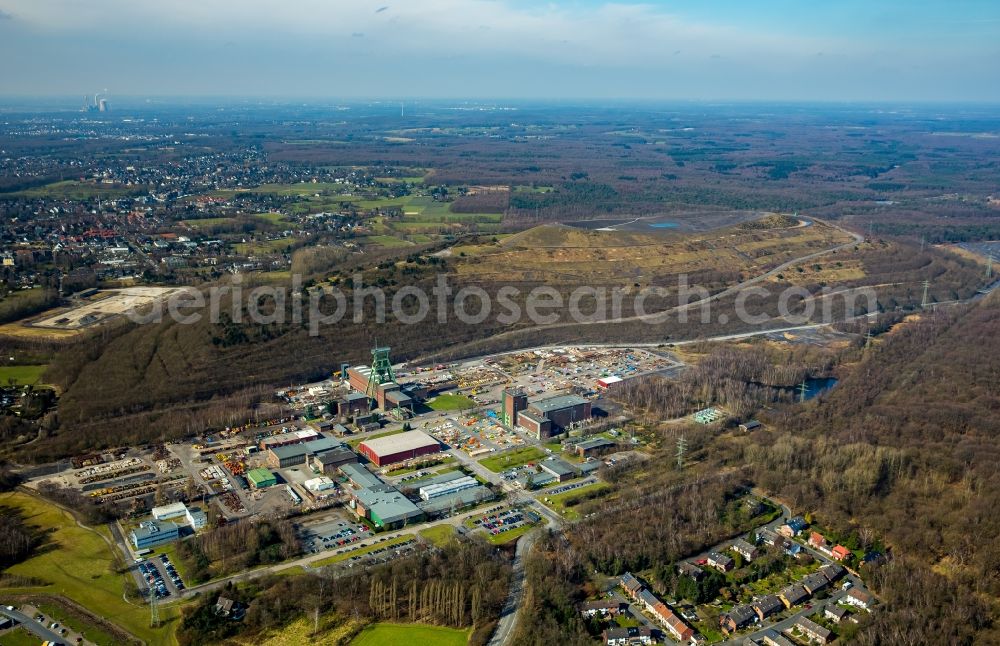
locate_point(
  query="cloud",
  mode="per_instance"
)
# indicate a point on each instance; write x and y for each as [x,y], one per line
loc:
[5,15]
[381,9]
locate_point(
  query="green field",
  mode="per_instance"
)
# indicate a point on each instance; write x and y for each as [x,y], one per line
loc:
[388,241]
[19,637]
[79,564]
[88,629]
[440,535]
[508,459]
[263,247]
[558,502]
[507,537]
[21,375]
[74,190]
[410,635]
[450,401]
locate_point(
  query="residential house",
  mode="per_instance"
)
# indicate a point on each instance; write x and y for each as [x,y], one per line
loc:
[767,606]
[793,549]
[738,617]
[690,569]
[745,549]
[750,425]
[835,613]
[813,631]
[223,606]
[628,636]
[815,583]
[630,585]
[832,572]
[770,538]
[720,562]
[817,540]
[601,607]
[859,598]
[772,637]
[840,552]
[680,630]
[793,527]
[792,595]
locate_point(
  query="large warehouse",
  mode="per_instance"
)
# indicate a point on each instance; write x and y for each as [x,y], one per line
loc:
[398,447]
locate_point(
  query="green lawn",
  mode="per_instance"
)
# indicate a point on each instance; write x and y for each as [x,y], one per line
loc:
[80,565]
[508,459]
[74,190]
[440,535]
[204,223]
[89,630]
[388,241]
[19,637]
[558,501]
[450,401]
[409,635]
[21,375]
[263,247]
[507,537]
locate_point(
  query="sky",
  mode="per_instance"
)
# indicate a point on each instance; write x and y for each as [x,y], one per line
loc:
[754,50]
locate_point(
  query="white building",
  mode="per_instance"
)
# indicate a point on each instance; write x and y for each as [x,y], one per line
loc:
[169,512]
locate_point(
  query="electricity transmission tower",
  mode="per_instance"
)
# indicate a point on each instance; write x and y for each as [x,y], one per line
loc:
[802,391]
[923,301]
[681,451]
[989,266]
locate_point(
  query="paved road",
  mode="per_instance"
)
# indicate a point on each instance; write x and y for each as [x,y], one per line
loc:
[508,616]
[33,626]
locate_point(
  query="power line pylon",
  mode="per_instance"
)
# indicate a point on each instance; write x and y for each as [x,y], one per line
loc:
[802,391]
[923,301]
[681,451]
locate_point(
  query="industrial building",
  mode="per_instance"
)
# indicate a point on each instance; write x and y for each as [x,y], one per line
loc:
[151,533]
[169,512]
[398,447]
[547,417]
[558,469]
[360,477]
[512,402]
[285,439]
[289,455]
[329,461]
[261,478]
[444,488]
[194,518]
[386,509]
[320,485]
[594,446]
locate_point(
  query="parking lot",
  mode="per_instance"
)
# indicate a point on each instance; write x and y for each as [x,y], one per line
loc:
[161,576]
[331,534]
[499,520]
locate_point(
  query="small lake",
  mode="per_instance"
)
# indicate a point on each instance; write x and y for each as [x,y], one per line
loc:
[664,225]
[814,387]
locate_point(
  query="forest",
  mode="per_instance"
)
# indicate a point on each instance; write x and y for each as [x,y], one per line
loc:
[458,585]
[900,456]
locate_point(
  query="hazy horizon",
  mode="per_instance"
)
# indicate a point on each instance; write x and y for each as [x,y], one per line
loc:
[505,50]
